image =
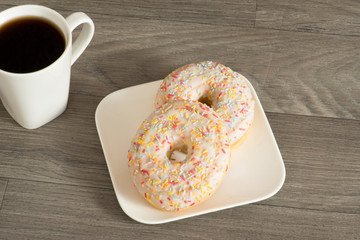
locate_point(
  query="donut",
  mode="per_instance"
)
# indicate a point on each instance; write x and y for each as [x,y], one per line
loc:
[221,88]
[179,155]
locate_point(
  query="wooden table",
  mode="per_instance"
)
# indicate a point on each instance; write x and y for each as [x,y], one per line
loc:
[303,59]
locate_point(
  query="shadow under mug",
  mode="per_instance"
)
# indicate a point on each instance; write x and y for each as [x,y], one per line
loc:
[36,98]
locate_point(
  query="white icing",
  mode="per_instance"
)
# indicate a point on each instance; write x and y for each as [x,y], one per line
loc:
[192,177]
[229,94]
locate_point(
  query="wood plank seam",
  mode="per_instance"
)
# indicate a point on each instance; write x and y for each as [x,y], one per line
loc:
[308,32]
[312,116]
[307,209]
[59,183]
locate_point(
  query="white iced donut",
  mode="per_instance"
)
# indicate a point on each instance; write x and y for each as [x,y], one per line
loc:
[180,155]
[217,86]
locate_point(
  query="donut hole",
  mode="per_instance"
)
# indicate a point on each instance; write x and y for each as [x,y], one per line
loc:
[205,99]
[178,152]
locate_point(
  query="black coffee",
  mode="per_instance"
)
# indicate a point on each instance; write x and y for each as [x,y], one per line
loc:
[29,44]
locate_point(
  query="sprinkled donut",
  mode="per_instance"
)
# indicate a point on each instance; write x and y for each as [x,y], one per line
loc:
[217,86]
[180,155]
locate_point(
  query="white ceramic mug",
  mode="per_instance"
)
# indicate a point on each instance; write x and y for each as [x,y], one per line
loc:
[34,99]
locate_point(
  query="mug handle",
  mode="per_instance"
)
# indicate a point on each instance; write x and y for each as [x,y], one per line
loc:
[85,36]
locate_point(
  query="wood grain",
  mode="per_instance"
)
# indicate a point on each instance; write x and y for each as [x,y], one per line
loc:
[64,211]
[313,74]
[67,150]
[220,13]
[330,17]
[321,156]
[3,184]
[137,51]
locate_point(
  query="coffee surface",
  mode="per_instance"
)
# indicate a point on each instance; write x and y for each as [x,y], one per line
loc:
[29,44]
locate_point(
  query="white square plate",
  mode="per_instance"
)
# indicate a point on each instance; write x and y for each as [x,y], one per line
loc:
[256,170]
